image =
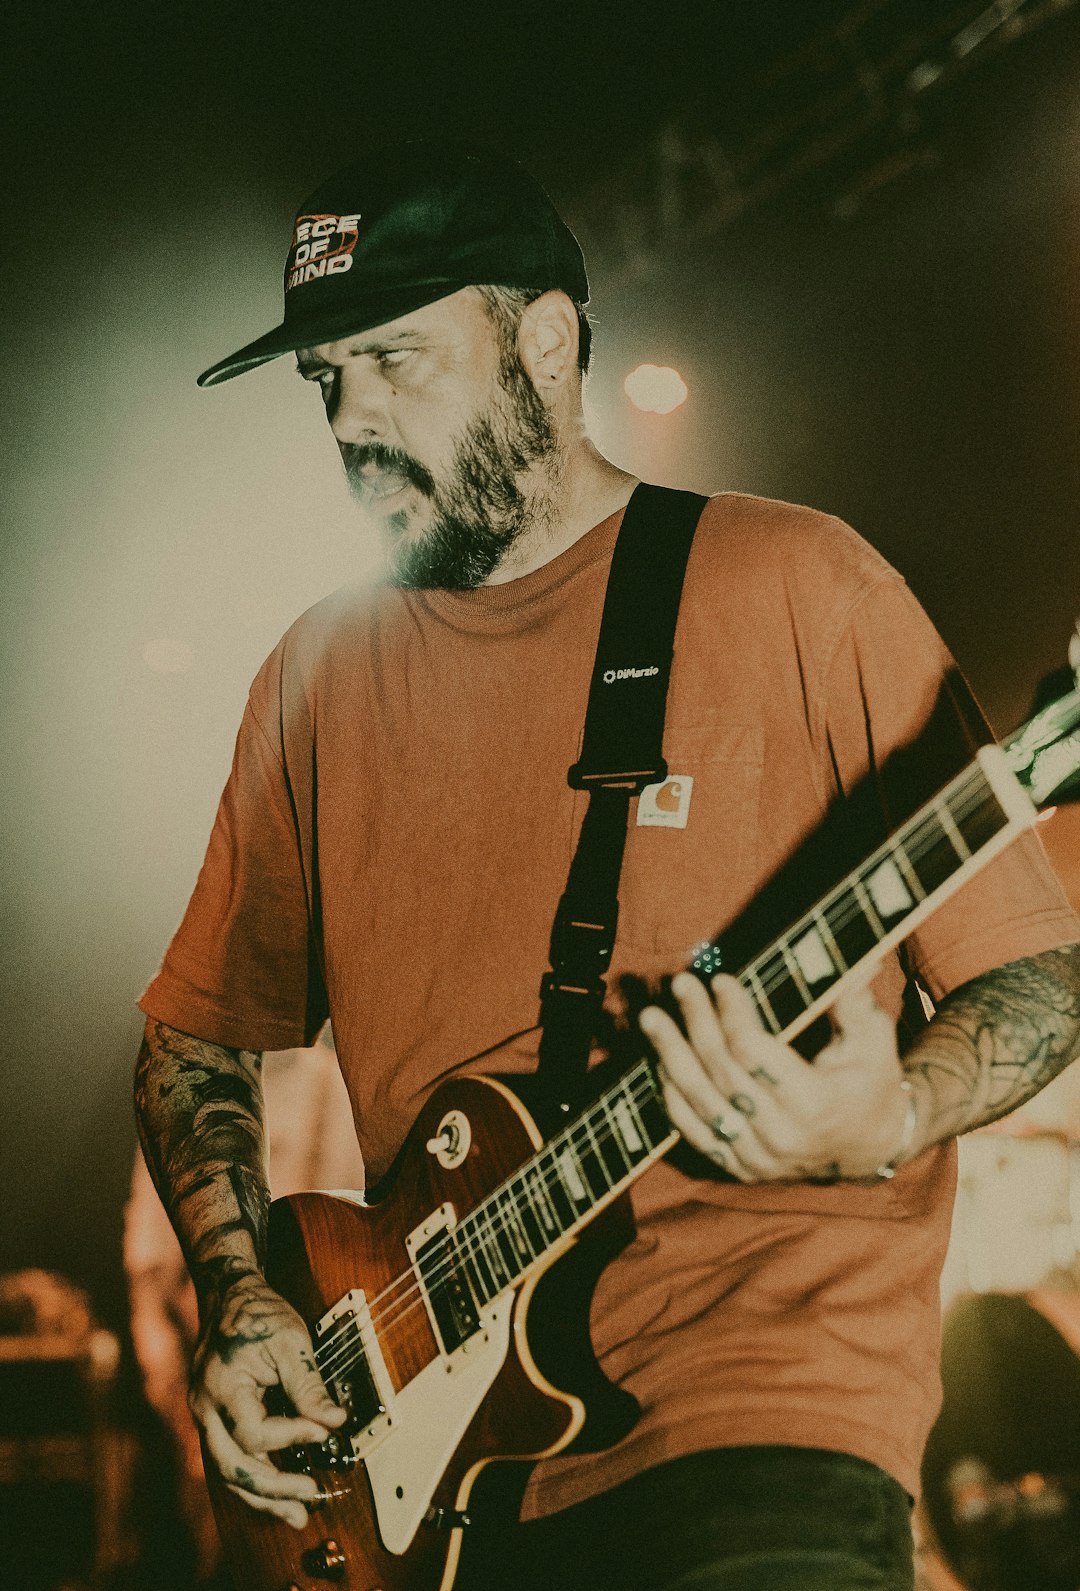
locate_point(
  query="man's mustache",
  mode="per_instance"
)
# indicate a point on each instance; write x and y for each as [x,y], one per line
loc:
[371,466]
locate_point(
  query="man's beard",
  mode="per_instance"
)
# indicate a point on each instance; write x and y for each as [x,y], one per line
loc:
[480,509]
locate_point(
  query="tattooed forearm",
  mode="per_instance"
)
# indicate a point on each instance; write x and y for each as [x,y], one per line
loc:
[200,1117]
[995,1042]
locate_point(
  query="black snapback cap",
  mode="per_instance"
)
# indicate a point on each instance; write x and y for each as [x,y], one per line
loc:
[406,226]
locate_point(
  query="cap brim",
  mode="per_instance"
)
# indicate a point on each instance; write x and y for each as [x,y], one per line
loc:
[375,309]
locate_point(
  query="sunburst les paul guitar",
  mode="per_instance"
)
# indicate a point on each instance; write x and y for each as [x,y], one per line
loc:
[426,1307]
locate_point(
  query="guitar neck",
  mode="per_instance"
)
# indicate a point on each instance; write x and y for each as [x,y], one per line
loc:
[886,898]
[618,1136]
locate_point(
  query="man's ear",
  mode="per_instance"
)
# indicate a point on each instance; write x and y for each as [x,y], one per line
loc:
[548,341]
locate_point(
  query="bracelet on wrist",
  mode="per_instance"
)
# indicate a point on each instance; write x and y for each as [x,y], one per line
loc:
[907,1135]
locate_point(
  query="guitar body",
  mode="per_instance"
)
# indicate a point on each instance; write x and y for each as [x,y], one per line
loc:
[439,1414]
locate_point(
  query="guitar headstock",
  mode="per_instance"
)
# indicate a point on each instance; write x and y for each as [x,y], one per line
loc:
[1045,753]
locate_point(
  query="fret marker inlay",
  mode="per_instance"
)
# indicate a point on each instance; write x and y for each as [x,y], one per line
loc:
[624,1123]
[814,959]
[572,1178]
[888,891]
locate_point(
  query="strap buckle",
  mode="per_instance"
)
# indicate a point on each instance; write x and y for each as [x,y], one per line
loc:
[587,992]
[582,949]
[633,780]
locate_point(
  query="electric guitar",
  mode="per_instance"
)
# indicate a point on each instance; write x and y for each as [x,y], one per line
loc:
[427,1308]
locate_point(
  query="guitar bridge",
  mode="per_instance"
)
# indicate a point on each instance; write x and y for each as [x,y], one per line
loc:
[351,1363]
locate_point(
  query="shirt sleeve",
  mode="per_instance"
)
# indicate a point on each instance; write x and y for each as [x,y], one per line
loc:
[242,969]
[898,721]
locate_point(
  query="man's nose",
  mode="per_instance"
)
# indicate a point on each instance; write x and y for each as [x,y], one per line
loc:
[357,407]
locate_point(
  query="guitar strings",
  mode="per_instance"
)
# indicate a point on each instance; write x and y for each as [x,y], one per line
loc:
[764,965]
[971,783]
[488,1222]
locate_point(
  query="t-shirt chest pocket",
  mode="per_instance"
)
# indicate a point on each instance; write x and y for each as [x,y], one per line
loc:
[693,844]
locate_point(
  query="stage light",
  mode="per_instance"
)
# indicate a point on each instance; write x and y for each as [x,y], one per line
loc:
[657,389]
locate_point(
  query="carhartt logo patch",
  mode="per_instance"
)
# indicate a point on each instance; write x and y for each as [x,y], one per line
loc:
[322,245]
[666,805]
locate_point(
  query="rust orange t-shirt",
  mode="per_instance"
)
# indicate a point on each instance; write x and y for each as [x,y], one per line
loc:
[392,843]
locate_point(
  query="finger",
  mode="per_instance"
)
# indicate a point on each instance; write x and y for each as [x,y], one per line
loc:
[862,1029]
[294,1514]
[305,1387]
[721,1116]
[251,1471]
[689,1125]
[681,1063]
[751,1089]
[259,1432]
[703,1028]
[750,1045]
[854,1006]
[728,1140]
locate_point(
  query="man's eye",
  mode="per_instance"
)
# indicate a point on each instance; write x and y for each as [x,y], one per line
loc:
[393,357]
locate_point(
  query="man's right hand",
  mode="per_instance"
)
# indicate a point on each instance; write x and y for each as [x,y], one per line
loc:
[253,1339]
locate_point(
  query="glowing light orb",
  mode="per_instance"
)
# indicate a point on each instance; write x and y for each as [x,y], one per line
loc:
[657,389]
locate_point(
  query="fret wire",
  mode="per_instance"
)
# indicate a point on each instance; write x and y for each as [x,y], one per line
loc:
[630,1090]
[565,1145]
[598,1153]
[468,1245]
[757,988]
[543,1202]
[948,824]
[573,1175]
[862,895]
[796,973]
[577,1155]
[514,1224]
[646,1137]
[971,783]
[639,1084]
[615,1132]
[911,878]
[822,925]
[495,1256]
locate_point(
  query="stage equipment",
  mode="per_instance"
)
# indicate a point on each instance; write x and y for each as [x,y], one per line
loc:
[61,1467]
[833,122]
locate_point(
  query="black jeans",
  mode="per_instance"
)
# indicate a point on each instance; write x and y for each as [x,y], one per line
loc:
[731,1519]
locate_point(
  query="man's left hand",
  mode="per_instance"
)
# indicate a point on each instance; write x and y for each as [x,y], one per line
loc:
[754,1107]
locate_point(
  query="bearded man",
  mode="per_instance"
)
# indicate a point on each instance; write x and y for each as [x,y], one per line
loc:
[393,842]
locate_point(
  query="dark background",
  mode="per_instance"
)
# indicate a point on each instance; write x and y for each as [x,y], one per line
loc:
[872,299]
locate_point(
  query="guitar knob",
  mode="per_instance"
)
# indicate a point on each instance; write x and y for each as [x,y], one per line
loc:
[327,1561]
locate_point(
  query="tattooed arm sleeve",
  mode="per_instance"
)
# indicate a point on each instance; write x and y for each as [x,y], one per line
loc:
[199,1110]
[994,1042]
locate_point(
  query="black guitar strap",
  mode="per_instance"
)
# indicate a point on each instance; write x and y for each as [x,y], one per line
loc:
[621,753]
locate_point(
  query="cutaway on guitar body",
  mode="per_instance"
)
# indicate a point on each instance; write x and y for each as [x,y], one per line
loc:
[419,1323]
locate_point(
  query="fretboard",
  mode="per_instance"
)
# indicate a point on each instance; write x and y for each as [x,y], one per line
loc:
[883,900]
[605,1148]
[582,1168]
